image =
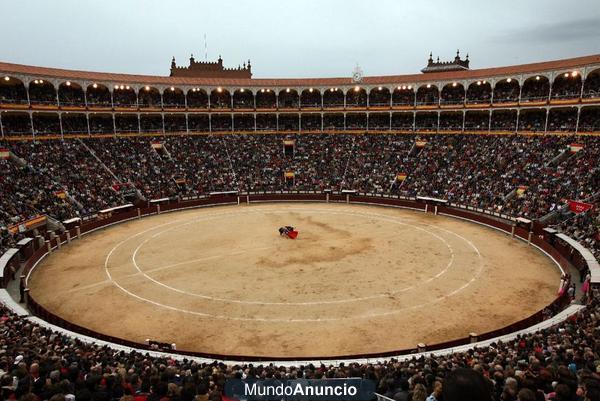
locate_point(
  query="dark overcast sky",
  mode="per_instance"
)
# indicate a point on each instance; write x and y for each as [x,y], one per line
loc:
[290,38]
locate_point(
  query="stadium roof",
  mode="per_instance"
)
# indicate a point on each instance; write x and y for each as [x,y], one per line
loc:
[43,72]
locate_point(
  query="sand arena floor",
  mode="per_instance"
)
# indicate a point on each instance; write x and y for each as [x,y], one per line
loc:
[359,279]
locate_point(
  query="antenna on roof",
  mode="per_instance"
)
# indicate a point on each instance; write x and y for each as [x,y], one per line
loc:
[205,49]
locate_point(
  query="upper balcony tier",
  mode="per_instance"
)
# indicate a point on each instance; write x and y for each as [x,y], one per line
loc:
[567,81]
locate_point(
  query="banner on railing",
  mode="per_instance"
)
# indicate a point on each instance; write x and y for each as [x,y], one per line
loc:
[579,207]
[27,225]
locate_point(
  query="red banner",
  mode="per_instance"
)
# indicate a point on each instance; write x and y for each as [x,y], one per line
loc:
[579,207]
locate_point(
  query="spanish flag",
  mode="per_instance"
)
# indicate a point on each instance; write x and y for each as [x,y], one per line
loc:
[575,147]
[521,190]
[60,194]
[156,145]
[420,143]
[4,153]
[401,176]
[289,174]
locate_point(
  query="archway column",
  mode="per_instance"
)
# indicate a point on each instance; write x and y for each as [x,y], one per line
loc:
[31,122]
[27,93]
[60,124]
[87,121]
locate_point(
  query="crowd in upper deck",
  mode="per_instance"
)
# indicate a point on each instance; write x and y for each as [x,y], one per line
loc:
[561,119]
[40,92]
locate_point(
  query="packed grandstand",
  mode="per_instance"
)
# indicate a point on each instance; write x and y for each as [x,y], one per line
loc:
[514,142]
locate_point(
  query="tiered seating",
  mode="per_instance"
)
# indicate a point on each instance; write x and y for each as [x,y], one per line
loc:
[481,171]
[556,363]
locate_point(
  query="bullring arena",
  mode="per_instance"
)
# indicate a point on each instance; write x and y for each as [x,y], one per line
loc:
[192,228]
[221,280]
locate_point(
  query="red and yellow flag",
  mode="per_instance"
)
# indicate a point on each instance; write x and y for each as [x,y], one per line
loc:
[575,147]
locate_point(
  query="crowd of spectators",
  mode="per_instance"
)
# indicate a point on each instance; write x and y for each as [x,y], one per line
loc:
[591,86]
[560,363]
[529,120]
[535,89]
[70,94]
[584,227]
[480,171]
[453,94]
[567,86]
[479,92]
[42,92]
[506,91]
[26,193]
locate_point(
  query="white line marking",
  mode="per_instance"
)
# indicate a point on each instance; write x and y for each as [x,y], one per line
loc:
[369,315]
[324,302]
